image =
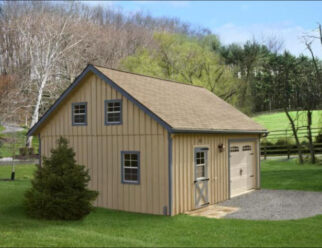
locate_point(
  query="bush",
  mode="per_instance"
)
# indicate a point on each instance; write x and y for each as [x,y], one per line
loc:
[266,143]
[283,142]
[59,188]
[318,138]
[24,151]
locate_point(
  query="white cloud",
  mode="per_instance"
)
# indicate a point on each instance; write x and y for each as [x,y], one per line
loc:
[290,35]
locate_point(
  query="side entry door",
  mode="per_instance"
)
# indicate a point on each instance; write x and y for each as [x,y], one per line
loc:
[201,176]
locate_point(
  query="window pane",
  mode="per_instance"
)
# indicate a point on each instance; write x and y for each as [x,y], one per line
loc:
[79,118]
[201,171]
[130,174]
[200,160]
[130,167]
[247,148]
[234,149]
[113,112]
[114,117]
[79,113]
[114,106]
[135,177]
[134,163]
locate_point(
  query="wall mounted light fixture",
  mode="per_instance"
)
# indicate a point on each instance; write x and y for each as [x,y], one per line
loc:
[221,147]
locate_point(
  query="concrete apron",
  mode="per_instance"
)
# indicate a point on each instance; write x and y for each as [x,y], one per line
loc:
[213,211]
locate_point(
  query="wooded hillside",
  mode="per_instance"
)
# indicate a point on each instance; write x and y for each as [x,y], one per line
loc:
[44,46]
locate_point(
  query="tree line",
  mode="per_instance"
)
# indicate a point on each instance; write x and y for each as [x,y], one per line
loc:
[44,46]
[254,77]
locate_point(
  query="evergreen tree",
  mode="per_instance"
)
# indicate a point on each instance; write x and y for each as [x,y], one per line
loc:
[59,188]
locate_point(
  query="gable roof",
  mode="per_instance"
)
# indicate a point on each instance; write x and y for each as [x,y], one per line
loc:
[178,107]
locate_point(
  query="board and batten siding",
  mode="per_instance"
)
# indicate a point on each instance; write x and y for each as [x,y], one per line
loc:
[98,147]
[183,189]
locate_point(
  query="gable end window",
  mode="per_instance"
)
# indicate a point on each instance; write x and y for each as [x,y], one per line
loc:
[79,114]
[130,167]
[113,112]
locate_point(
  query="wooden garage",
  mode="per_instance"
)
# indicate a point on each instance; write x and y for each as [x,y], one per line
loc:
[151,145]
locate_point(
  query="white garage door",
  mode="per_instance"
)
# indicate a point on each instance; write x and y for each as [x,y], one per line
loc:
[242,167]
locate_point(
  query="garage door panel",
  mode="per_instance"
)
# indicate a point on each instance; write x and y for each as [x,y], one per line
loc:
[242,167]
[235,172]
[250,182]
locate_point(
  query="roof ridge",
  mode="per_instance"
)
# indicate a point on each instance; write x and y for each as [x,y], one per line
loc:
[142,75]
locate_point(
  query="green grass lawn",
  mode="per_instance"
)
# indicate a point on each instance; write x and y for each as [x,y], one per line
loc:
[291,175]
[8,149]
[279,121]
[114,228]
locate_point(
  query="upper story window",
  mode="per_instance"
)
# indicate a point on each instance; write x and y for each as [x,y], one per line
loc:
[130,167]
[113,112]
[79,113]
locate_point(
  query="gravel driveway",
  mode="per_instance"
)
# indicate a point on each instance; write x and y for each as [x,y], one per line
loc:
[275,205]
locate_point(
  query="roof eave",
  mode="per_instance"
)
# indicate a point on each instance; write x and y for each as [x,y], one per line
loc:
[219,131]
[34,128]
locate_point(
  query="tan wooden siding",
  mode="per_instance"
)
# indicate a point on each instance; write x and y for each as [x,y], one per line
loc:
[99,148]
[183,190]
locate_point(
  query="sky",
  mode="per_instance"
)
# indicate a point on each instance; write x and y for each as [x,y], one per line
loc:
[239,21]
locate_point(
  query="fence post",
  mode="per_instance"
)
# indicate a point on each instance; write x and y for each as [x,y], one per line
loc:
[288,151]
[264,152]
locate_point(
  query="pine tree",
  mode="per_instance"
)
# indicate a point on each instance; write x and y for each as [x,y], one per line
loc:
[59,188]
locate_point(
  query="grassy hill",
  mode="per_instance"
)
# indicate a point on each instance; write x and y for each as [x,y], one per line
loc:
[279,121]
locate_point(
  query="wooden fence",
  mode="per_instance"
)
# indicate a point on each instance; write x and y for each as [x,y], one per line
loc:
[282,143]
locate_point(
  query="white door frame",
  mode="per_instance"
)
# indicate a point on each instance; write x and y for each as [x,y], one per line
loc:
[201,184]
[257,166]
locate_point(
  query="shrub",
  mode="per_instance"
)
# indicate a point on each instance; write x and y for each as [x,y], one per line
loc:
[266,143]
[304,143]
[283,142]
[23,151]
[318,138]
[59,188]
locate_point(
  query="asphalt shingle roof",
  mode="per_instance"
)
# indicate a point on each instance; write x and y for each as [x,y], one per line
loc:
[177,106]
[182,106]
